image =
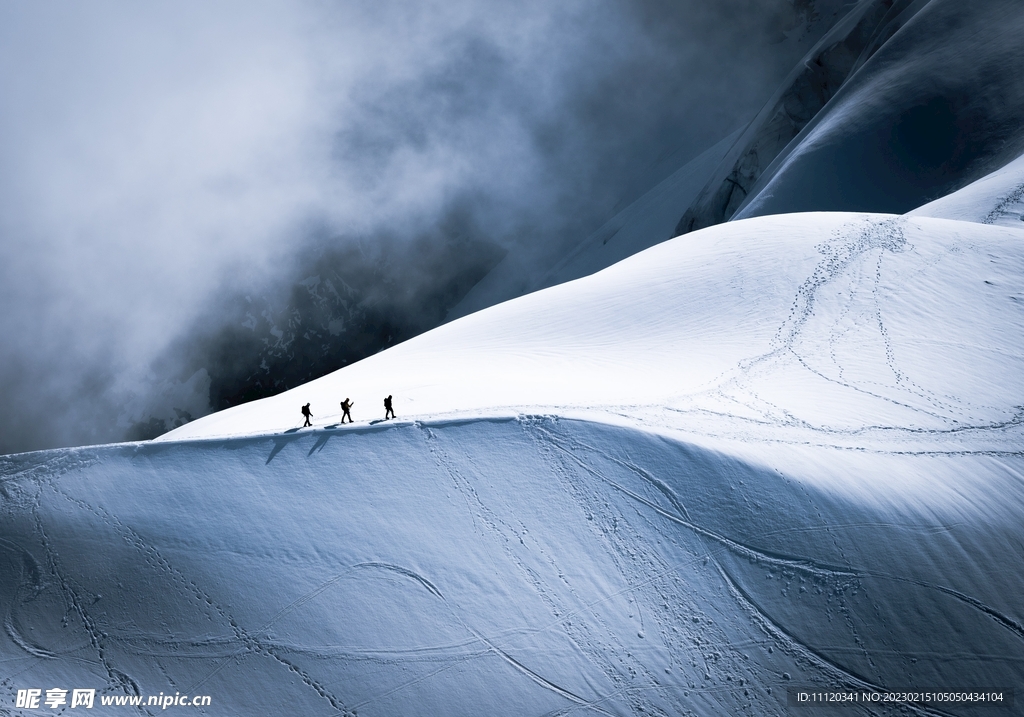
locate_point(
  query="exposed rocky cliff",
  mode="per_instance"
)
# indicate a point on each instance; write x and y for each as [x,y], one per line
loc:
[900,103]
[809,87]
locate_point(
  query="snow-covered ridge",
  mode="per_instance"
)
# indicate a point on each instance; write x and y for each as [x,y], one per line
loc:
[838,324]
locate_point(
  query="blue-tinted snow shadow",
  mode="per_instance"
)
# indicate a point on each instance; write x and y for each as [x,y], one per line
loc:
[279,444]
[788,556]
[321,441]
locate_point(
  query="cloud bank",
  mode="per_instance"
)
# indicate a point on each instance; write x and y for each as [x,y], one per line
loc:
[161,162]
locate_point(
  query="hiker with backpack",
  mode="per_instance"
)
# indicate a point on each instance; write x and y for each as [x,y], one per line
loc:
[345,406]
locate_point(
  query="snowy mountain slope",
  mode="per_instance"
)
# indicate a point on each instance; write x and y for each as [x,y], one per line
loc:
[644,222]
[514,567]
[937,106]
[997,198]
[782,451]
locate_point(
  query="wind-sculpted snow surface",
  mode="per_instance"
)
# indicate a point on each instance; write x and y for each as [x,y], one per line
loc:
[523,566]
[778,452]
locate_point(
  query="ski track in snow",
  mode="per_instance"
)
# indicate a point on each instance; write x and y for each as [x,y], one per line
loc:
[499,529]
[812,568]
[839,675]
[803,565]
[118,681]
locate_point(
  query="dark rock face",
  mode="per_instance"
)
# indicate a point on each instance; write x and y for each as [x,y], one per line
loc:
[805,92]
[940,105]
[901,103]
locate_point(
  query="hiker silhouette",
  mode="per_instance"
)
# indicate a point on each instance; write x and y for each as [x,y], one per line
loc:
[345,406]
[308,414]
[388,409]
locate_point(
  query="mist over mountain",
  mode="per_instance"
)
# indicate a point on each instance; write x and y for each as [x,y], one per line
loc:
[201,207]
[164,166]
